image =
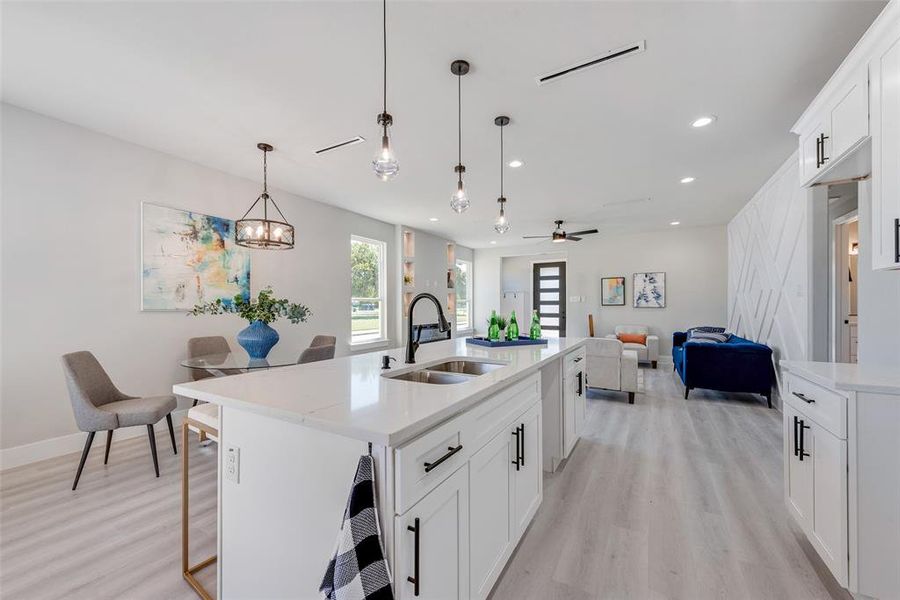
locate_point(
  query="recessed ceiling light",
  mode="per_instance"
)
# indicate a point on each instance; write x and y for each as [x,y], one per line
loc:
[687,179]
[675,223]
[433,219]
[515,164]
[703,121]
[493,241]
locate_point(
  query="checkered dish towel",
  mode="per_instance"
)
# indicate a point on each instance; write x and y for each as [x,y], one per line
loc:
[358,570]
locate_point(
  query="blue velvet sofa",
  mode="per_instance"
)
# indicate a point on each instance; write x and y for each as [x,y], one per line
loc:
[737,365]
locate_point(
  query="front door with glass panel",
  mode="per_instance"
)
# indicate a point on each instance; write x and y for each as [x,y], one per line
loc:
[550,297]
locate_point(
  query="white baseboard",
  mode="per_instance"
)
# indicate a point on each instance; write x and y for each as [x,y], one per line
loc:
[66,444]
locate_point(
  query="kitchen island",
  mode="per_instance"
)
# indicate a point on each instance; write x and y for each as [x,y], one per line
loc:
[459,439]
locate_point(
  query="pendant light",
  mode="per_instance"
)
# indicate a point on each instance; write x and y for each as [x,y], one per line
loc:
[264,233]
[501,225]
[459,201]
[385,162]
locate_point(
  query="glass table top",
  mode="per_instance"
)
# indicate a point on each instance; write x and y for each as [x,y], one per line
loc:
[239,360]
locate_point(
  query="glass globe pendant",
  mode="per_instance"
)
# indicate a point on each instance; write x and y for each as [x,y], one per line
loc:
[501,225]
[264,233]
[459,201]
[385,162]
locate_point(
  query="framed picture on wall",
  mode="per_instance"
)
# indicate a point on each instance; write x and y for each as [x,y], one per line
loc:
[649,290]
[612,291]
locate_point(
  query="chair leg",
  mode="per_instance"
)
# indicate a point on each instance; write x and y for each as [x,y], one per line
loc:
[171,432]
[653,363]
[768,398]
[108,444]
[687,391]
[630,397]
[152,437]
[195,403]
[84,455]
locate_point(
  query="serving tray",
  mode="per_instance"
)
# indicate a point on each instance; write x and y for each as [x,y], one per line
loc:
[522,341]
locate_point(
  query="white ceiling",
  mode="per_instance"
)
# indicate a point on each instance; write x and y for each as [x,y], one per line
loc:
[205,81]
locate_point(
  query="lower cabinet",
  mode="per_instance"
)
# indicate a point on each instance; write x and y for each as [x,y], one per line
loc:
[816,488]
[573,400]
[432,543]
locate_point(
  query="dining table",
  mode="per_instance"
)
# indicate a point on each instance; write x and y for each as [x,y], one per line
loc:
[238,361]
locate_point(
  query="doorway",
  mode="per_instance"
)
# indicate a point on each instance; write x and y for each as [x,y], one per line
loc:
[549,293]
[844,275]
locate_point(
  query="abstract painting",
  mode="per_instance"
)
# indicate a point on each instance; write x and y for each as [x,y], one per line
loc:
[612,291]
[189,258]
[649,290]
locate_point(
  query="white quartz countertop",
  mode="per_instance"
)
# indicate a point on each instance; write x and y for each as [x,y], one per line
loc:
[846,376]
[349,396]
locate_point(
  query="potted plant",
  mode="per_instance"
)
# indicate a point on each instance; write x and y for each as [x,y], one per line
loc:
[501,323]
[258,338]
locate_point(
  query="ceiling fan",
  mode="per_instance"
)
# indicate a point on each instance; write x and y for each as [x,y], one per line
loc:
[559,235]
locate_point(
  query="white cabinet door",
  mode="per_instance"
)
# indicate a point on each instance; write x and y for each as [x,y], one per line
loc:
[570,435]
[798,468]
[828,526]
[884,76]
[527,491]
[491,533]
[849,116]
[432,543]
[580,405]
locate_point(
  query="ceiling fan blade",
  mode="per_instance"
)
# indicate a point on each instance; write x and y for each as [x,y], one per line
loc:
[585,232]
[572,238]
[534,237]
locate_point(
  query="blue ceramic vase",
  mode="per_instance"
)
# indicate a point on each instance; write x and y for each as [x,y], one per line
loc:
[257,339]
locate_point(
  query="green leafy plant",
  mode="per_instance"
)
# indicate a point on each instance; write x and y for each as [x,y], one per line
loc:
[501,322]
[265,308]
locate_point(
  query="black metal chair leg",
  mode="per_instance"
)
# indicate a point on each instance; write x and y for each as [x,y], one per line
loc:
[171,432]
[769,399]
[84,455]
[687,391]
[153,448]
[630,397]
[194,404]
[108,443]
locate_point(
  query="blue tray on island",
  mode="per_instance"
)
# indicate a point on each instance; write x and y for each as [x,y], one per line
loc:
[522,341]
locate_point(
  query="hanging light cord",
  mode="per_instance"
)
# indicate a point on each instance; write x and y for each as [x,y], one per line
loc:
[384,42]
[501,163]
[459,119]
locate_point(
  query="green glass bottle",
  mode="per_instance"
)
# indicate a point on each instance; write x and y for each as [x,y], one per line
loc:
[535,326]
[512,330]
[494,329]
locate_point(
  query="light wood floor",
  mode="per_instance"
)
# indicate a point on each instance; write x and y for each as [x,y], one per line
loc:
[665,498]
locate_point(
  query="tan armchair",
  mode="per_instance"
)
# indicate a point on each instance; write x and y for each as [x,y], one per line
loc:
[611,367]
[648,352]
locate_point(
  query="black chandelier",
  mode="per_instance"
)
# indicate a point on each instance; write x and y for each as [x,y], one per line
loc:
[264,233]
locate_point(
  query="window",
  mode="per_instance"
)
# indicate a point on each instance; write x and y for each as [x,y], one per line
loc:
[367,284]
[463,295]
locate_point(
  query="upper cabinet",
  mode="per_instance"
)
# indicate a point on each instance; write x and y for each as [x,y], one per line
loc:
[884,102]
[837,127]
[852,130]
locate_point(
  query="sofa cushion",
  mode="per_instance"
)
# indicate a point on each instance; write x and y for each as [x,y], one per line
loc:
[708,336]
[141,411]
[633,338]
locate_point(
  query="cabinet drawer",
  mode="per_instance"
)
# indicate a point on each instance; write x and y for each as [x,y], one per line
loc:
[471,430]
[826,407]
[574,359]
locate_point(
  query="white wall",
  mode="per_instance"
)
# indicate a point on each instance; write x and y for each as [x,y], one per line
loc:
[768,273]
[693,259]
[71,266]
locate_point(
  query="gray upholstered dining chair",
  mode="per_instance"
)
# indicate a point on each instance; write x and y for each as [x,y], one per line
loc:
[98,405]
[320,348]
[202,346]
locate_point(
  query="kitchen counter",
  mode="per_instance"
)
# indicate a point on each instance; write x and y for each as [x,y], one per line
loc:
[348,395]
[847,376]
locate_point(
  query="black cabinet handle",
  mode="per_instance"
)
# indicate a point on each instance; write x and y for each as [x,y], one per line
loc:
[518,460]
[579,377]
[897,240]
[578,359]
[415,577]
[818,152]
[823,137]
[805,398]
[450,452]
[796,436]
[802,440]
[522,441]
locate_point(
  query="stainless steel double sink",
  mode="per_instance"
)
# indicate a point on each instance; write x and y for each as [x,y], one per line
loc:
[456,370]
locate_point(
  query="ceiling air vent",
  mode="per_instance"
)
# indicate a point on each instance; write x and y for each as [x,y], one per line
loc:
[351,142]
[610,56]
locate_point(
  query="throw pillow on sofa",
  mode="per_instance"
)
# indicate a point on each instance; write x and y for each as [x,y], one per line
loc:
[633,338]
[708,336]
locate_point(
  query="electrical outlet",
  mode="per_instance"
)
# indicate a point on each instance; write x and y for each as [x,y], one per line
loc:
[233,463]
